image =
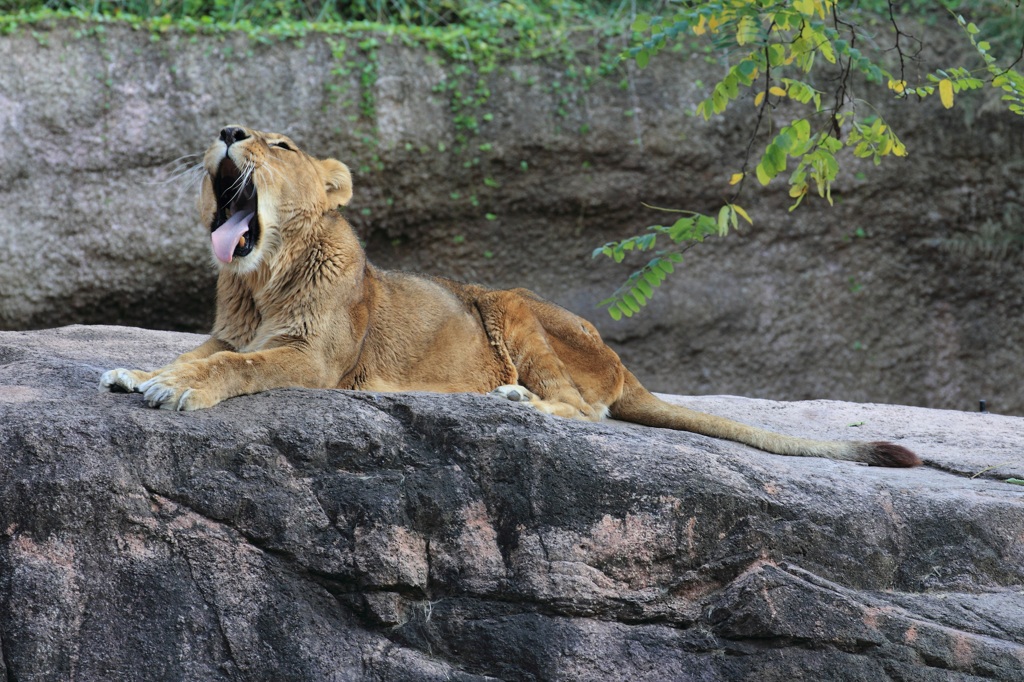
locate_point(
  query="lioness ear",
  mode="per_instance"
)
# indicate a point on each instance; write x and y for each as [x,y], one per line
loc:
[337,181]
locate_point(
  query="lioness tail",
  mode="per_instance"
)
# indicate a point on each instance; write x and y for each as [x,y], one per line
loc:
[638,405]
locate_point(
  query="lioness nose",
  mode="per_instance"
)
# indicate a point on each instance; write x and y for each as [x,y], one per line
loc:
[233,134]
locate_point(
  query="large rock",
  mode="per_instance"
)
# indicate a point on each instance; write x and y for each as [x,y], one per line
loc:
[907,291]
[328,535]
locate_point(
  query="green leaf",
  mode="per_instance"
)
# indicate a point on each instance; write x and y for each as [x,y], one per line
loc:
[784,140]
[826,51]
[642,58]
[723,220]
[719,98]
[830,143]
[731,86]
[774,159]
[746,69]
[747,30]
[805,7]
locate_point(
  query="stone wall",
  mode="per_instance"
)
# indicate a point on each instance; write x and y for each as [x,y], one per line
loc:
[871,300]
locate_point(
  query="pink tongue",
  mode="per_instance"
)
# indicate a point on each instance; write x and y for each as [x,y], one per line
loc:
[225,237]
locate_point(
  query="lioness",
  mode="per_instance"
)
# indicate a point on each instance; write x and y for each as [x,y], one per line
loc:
[299,305]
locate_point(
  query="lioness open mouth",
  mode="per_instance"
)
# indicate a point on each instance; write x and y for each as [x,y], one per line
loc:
[236,226]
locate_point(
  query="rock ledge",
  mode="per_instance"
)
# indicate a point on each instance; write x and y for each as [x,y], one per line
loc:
[327,535]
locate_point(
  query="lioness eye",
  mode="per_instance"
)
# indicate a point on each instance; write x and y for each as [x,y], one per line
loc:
[282,145]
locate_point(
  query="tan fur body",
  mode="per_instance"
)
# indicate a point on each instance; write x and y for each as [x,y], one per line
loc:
[299,305]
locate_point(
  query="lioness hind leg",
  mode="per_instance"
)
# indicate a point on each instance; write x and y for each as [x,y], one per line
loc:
[523,342]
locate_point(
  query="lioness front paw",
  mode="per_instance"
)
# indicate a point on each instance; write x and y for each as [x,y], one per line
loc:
[123,380]
[514,393]
[165,393]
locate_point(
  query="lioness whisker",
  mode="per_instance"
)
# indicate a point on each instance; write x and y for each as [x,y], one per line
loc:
[242,182]
[177,171]
[186,157]
[193,175]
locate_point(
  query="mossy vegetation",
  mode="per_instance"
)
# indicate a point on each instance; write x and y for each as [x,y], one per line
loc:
[474,30]
[394,12]
[475,37]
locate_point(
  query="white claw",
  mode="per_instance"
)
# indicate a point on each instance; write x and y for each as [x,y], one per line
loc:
[155,394]
[180,407]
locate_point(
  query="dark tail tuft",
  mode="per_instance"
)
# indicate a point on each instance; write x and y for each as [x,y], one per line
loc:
[884,454]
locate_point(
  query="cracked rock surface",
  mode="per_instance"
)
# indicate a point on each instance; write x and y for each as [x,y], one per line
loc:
[328,535]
